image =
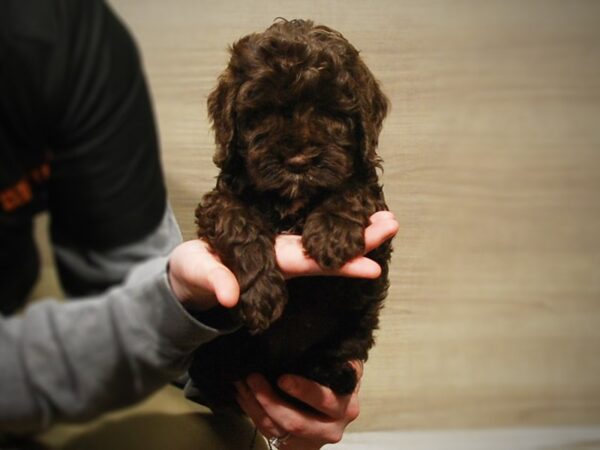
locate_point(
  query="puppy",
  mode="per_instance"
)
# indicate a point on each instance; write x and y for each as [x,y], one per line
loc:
[297,116]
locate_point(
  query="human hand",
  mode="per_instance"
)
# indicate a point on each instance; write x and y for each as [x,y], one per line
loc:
[294,262]
[199,279]
[302,430]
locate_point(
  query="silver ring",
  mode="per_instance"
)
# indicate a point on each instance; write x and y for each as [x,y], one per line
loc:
[276,442]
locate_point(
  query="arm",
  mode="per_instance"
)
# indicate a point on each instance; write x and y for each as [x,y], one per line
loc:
[71,362]
[77,360]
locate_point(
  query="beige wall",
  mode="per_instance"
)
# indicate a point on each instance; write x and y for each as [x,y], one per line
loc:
[492,164]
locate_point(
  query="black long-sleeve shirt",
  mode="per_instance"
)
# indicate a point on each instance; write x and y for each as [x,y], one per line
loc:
[77,138]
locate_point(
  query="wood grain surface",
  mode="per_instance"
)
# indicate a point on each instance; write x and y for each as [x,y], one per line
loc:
[492,161]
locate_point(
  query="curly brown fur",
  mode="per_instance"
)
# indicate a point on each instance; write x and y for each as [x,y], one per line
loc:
[297,116]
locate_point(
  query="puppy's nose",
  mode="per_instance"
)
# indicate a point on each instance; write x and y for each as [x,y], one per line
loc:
[298,163]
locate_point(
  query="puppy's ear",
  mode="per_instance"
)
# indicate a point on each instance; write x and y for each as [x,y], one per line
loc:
[221,112]
[373,108]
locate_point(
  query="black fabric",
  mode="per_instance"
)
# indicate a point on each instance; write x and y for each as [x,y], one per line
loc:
[19,267]
[77,133]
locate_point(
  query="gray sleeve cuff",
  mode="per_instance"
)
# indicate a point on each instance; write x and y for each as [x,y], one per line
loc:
[157,311]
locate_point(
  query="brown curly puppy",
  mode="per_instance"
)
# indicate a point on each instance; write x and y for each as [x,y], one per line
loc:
[297,116]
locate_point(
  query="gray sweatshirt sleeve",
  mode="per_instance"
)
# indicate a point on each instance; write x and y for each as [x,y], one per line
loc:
[73,361]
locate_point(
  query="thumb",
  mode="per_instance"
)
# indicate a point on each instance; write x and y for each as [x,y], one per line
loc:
[225,286]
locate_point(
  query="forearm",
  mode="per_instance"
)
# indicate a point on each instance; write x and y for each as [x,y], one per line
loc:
[75,361]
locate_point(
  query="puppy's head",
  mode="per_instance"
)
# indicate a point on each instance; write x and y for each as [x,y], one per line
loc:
[296,111]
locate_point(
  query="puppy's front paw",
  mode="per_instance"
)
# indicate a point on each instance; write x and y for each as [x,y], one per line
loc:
[263,302]
[332,240]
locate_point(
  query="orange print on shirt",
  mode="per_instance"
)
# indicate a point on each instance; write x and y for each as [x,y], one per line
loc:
[20,193]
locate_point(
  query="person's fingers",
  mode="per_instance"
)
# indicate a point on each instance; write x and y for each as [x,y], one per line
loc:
[292,420]
[265,424]
[293,261]
[291,258]
[224,284]
[383,227]
[320,397]
[199,278]
[197,274]
[255,411]
[359,267]
[317,396]
[359,367]
[381,215]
